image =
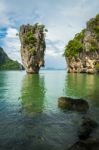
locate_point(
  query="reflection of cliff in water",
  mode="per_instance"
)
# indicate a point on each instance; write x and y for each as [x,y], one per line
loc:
[83,86]
[33,92]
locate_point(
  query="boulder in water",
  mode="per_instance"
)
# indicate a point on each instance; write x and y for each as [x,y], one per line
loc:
[73,104]
[86,128]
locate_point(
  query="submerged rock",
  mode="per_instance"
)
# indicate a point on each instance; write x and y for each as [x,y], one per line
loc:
[85,141]
[91,144]
[32,46]
[86,128]
[73,104]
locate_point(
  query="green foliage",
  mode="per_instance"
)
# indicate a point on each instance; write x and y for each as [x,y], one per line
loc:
[97,66]
[74,46]
[7,64]
[80,36]
[10,65]
[94,46]
[93,24]
[77,45]
[41,26]
[29,38]
[46,30]
[32,50]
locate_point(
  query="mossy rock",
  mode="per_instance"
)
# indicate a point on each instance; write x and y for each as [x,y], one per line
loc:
[79,105]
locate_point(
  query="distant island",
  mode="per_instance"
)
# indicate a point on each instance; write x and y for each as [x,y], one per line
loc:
[52,68]
[8,64]
[82,53]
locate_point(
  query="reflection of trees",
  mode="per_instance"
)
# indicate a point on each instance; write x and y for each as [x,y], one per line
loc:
[3,89]
[3,78]
[33,92]
[83,86]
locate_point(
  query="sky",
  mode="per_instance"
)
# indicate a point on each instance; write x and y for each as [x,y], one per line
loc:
[62,18]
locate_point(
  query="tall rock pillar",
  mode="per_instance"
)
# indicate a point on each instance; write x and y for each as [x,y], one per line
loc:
[32,47]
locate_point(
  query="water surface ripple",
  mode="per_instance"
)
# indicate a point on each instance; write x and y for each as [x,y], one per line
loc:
[29,115]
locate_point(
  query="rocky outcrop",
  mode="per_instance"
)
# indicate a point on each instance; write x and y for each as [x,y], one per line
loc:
[32,46]
[73,104]
[82,53]
[86,128]
[91,144]
[8,64]
[86,142]
[85,65]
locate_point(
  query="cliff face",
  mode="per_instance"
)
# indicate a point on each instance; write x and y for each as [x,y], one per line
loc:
[32,46]
[82,53]
[7,64]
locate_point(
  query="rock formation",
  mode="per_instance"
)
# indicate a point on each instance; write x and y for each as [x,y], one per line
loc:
[82,53]
[73,104]
[32,46]
[86,128]
[8,64]
[85,140]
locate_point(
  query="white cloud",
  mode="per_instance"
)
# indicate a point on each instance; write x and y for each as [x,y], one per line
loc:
[12,44]
[51,53]
[11,33]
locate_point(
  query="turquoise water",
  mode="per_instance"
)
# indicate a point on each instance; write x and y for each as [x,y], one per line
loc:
[29,115]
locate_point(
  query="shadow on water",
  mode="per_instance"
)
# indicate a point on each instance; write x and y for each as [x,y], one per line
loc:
[33,93]
[83,86]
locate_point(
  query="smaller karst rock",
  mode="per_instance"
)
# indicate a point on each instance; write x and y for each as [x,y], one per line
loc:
[33,46]
[73,104]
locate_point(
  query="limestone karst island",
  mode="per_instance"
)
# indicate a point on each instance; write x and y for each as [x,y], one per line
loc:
[49,75]
[82,53]
[32,46]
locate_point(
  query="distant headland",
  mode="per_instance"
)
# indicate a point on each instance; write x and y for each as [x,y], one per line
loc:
[8,64]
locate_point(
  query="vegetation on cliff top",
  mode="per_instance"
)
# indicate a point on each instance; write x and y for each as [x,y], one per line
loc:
[30,36]
[77,45]
[74,46]
[33,45]
[93,25]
